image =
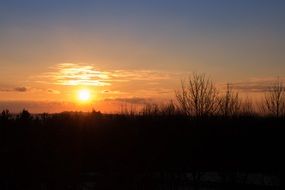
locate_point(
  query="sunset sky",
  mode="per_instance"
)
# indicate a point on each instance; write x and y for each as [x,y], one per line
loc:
[133,51]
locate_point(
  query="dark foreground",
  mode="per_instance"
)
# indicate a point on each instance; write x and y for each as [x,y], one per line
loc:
[94,151]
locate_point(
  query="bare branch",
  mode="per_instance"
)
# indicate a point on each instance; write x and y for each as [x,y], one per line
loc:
[199,97]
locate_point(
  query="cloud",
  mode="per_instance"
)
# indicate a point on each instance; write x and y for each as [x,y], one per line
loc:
[29,89]
[133,100]
[51,91]
[256,84]
[112,92]
[5,90]
[73,74]
[16,89]
[142,75]
[20,89]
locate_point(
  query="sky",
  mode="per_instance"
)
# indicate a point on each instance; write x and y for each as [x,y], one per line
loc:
[133,51]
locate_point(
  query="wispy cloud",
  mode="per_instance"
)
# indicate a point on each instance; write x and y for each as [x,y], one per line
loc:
[52,91]
[16,89]
[133,100]
[142,75]
[73,74]
[20,89]
[23,89]
[256,84]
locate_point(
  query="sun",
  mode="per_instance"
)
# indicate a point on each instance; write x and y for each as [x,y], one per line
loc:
[84,95]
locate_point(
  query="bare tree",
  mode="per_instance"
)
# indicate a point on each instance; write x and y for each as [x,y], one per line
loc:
[128,110]
[230,102]
[168,109]
[247,107]
[198,97]
[184,99]
[150,110]
[274,99]
[163,109]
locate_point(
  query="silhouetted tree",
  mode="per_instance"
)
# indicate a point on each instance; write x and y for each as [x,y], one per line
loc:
[96,114]
[230,102]
[169,109]
[128,110]
[150,110]
[247,107]
[5,115]
[198,97]
[25,115]
[275,99]
[44,116]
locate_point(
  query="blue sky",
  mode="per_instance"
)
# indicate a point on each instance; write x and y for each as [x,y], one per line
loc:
[243,32]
